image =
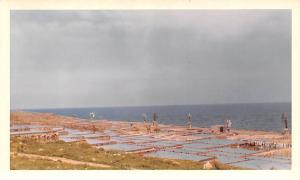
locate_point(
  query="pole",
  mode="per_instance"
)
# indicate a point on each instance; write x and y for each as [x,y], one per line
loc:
[189,119]
[284,118]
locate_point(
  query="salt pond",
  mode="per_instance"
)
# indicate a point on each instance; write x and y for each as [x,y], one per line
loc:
[238,151]
[175,155]
[262,164]
[122,147]
[215,141]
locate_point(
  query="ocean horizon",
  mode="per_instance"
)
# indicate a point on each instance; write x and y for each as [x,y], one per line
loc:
[252,116]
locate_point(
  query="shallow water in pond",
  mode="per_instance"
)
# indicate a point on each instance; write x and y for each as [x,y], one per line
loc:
[238,151]
[183,150]
[262,164]
[77,132]
[175,155]
[141,139]
[164,143]
[216,141]
[201,135]
[197,146]
[119,139]
[123,147]
[225,157]
[93,135]
[274,160]
[110,133]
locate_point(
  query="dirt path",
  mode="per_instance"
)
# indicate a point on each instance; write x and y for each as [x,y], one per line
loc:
[65,160]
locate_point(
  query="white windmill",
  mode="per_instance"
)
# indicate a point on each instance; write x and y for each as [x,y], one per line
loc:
[92,115]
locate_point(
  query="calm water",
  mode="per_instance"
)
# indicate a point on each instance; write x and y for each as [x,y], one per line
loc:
[262,116]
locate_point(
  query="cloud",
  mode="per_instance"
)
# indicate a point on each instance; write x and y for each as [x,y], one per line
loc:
[109,58]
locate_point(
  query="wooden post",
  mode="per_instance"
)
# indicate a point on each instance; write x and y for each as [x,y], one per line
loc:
[155,123]
[284,118]
[154,118]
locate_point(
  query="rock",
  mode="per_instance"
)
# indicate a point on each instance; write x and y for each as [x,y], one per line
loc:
[207,165]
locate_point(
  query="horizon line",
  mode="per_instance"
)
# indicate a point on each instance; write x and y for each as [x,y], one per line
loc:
[146,105]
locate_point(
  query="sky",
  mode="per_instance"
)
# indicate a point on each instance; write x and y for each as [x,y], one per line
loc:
[139,58]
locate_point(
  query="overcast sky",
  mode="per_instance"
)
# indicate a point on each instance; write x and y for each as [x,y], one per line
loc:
[133,58]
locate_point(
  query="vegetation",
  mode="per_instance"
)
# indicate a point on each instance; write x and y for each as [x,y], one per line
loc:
[26,163]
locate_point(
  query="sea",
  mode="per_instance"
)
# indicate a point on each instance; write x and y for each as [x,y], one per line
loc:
[252,116]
